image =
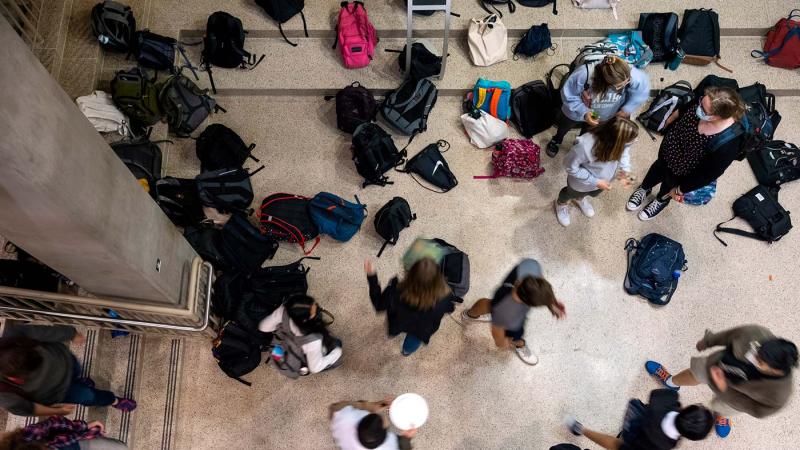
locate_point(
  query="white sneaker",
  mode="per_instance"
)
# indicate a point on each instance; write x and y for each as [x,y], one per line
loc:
[586,208]
[562,213]
[526,355]
[466,318]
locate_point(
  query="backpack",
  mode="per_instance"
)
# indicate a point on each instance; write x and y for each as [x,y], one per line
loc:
[136,96]
[219,147]
[494,97]
[631,47]
[515,158]
[206,242]
[374,153]
[597,4]
[777,163]
[391,219]
[185,105]
[782,46]
[99,109]
[407,107]
[356,37]
[538,4]
[223,45]
[511,6]
[483,129]
[238,351]
[285,217]
[534,106]
[536,40]
[432,167]
[488,40]
[660,33]
[143,158]
[335,216]
[455,267]
[654,267]
[243,245]
[760,208]
[292,362]
[354,105]
[424,63]
[228,190]
[701,196]
[699,37]
[178,198]
[113,25]
[283,10]
[667,101]
[27,275]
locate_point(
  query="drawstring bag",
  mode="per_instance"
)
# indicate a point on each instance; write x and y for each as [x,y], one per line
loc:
[488,40]
[536,40]
[432,167]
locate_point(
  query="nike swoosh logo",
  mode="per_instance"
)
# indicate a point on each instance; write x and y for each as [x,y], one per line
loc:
[438,163]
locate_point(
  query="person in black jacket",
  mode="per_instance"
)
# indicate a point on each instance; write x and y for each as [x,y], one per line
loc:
[694,152]
[658,425]
[415,305]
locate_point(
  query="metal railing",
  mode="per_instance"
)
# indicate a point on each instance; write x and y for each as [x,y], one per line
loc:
[192,319]
[23,16]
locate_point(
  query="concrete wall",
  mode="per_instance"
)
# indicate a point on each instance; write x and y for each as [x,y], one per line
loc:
[68,200]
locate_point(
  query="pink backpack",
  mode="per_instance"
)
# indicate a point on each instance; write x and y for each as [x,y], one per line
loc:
[356,35]
[515,158]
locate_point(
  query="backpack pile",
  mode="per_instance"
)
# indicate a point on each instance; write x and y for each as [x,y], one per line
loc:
[283,10]
[782,46]
[515,158]
[654,267]
[699,37]
[488,40]
[391,219]
[223,45]
[114,26]
[356,36]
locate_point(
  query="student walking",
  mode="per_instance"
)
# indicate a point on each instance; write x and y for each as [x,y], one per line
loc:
[690,156]
[658,425]
[524,288]
[41,377]
[58,432]
[415,305]
[752,374]
[596,158]
[590,97]
[363,425]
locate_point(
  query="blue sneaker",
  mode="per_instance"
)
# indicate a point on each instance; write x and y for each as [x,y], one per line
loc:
[657,371]
[411,344]
[722,426]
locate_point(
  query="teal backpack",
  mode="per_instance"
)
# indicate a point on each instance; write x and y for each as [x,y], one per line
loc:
[630,46]
[493,97]
[335,216]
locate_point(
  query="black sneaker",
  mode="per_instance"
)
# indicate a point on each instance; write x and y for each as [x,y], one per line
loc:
[653,209]
[637,199]
[552,148]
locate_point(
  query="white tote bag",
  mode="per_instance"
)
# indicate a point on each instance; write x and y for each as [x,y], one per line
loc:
[597,4]
[488,40]
[99,108]
[484,130]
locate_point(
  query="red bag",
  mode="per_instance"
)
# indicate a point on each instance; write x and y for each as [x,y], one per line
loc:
[782,47]
[515,158]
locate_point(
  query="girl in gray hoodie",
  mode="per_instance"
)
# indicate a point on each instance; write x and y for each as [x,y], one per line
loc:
[592,164]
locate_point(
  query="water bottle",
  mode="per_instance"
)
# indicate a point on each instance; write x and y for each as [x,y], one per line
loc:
[676,274]
[277,353]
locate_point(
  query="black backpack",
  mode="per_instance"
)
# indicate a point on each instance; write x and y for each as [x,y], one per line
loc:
[143,158]
[424,63]
[219,147]
[354,105]
[28,275]
[285,217]
[432,167]
[228,190]
[538,4]
[653,264]
[178,198]
[113,25]
[511,6]
[660,33]
[407,107]
[777,163]
[534,106]
[243,245]
[223,45]
[667,101]
[155,51]
[185,105]
[374,153]
[699,37]
[761,115]
[455,267]
[270,287]
[238,351]
[391,219]
[283,10]
[536,40]
[206,242]
[760,208]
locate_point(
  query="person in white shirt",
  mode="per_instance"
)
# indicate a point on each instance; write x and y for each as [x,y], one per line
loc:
[360,425]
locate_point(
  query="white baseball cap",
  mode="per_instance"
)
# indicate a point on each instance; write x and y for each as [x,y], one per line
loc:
[408,411]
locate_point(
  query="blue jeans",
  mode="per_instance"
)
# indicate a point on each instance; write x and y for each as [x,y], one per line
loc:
[81,394]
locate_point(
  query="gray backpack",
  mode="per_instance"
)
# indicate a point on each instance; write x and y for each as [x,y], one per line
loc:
[185,105]
[293,364]
[407,107]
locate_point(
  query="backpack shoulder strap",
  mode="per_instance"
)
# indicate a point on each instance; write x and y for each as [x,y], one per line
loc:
[729,134]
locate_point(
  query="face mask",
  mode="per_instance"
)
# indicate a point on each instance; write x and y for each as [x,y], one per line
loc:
[702,114]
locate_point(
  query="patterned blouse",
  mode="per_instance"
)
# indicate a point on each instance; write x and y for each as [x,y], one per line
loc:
[683,147]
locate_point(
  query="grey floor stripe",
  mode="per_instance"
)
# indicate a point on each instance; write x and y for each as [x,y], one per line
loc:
[172,388]
[130,383]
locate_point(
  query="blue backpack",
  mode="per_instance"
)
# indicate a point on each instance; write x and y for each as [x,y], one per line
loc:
[654,267]
[335,216]
[630,46]
[701,196]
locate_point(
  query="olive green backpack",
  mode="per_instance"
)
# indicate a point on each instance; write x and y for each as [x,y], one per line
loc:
[136,96]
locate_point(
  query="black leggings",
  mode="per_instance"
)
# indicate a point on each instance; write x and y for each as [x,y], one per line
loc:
[564,124]
[659,173]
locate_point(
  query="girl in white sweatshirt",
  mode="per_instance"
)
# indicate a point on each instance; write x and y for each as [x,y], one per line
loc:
[593,162]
